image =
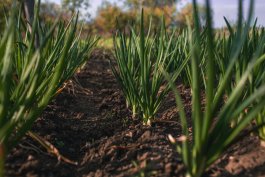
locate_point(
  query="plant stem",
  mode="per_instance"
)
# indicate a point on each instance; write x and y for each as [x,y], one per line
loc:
[29,6]
[147,119]
[134,111]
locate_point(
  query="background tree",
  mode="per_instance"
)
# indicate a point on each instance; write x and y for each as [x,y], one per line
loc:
[107,17]
[108,13]
[186,13]
[105,21]
[154,9]
[137,4]
[50,11]
[77,5]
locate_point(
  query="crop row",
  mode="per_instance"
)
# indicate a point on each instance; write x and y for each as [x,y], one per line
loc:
[226,69]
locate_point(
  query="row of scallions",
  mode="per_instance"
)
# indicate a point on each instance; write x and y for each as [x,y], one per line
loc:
[139,59]
[231,77]
[29,76]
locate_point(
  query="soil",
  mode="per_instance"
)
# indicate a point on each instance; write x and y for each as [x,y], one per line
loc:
[89,123]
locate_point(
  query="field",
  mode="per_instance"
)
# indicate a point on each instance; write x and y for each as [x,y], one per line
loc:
[153,100]
[92,126]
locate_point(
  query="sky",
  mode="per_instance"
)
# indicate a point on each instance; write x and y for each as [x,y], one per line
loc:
[221,8]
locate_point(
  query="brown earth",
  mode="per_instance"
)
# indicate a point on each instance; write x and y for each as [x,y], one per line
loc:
[91,125]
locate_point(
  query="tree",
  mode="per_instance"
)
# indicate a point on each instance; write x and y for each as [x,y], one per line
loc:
[137,4]
[107,17]
[77,5]
[186,14]
[154,9]
[50,11]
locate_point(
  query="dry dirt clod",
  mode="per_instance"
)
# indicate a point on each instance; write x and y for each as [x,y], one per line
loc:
[145,136]
[143,157]
[262,143]
[168,168]
[129,134]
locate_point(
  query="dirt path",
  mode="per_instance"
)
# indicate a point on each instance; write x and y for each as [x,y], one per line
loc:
[93,127]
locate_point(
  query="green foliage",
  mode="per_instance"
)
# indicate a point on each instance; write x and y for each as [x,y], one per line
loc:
[4,7]
[140,58]
[212,132]
[49,11]
[136,4]
[251,48]
[108,16]
[30,77]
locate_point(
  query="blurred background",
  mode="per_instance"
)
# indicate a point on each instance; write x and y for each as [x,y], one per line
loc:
[101,16]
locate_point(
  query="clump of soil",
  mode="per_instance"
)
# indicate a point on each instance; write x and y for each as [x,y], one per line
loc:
[90,124]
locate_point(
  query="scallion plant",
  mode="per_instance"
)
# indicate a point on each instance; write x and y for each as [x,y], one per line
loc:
[212,133]
[30,76]
[252,46]
[139,57]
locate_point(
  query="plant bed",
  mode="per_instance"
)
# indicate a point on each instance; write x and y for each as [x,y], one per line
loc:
[95,129]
